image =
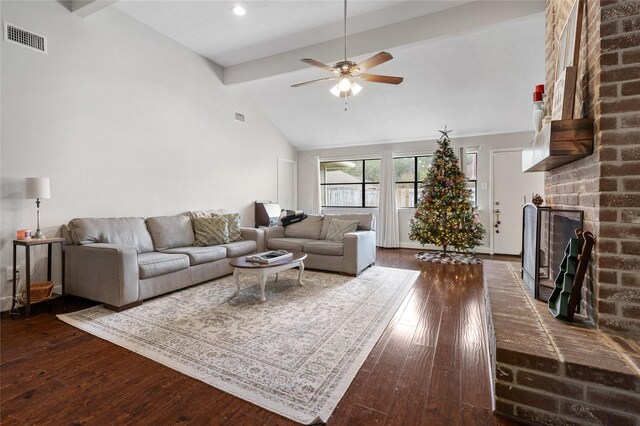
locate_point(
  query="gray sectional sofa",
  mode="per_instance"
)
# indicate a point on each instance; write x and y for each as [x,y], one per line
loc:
[356,252]
[122,261]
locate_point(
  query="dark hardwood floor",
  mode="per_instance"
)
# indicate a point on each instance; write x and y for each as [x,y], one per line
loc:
[430,367]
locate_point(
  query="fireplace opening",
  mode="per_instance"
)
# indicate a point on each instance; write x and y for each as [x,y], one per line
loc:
[545,234]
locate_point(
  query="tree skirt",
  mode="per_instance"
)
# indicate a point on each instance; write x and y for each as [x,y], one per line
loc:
[451,258]
[295,354]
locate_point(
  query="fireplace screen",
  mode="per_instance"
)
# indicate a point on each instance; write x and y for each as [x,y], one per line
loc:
[545,234]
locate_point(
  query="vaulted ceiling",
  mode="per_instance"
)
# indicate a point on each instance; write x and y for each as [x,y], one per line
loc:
[469,64]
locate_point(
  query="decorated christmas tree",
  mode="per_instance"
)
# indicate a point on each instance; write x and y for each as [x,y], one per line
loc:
[444,215]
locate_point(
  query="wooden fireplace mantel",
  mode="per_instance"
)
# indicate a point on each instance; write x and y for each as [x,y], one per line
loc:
[558,143]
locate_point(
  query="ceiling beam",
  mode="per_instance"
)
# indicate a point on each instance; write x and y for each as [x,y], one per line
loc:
[445,23]
[84,8]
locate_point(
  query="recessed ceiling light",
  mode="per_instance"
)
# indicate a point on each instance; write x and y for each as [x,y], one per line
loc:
[239,10]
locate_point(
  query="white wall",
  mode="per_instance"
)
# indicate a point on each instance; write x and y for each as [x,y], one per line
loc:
[125,122]
[488,142]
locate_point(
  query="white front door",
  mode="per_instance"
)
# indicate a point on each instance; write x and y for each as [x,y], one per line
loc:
[510,187]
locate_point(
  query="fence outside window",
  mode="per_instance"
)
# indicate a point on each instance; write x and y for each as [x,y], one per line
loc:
[356,183]
[410,173]
[350,183]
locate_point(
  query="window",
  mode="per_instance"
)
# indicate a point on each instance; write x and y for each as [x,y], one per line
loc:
[356,183]
[410,172]
[350,183]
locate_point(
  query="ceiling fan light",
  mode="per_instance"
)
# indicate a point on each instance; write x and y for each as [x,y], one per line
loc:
[239,10]
[335,91]
[344,84]
[355,88]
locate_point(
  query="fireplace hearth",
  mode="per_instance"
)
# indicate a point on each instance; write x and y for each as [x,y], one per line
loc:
[554,372]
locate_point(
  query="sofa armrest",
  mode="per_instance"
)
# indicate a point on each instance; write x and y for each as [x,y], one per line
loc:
[106,273]
[273,232]
[254,234]
[359,251]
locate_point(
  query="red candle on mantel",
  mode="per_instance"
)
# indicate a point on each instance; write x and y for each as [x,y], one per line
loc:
[537,96]
[540,88]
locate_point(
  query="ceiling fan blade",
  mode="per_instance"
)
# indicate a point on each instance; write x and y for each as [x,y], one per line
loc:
[381,78]
[318,64]
[314,81]
[375,60]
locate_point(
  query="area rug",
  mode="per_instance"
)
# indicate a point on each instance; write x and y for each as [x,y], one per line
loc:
[294,354]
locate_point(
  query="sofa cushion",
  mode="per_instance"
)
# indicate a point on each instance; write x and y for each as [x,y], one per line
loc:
[170,231]
[210,231]
[128,231]
[309,228]
[338,228]
[198,255]
[233,226]
[287,243]
[154,264]
[324,247]
[366,221]
[240,248]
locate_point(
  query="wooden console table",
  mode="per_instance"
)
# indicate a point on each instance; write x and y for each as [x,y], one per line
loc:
[27,244]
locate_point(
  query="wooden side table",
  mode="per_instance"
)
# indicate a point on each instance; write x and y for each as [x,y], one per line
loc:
[27,244]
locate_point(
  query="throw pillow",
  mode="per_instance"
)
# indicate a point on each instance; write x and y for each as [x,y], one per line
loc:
[210,231]
[206,213]
[337,229]
[233,224]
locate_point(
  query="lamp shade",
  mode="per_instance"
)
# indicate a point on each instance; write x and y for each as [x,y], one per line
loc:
[37,187]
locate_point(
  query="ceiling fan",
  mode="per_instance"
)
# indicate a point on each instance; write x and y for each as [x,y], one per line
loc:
[347,71]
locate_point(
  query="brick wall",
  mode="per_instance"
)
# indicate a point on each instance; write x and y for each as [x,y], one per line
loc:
[552,372]
[605,185]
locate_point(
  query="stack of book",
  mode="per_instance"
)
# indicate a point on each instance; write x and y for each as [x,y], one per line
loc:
[269,256]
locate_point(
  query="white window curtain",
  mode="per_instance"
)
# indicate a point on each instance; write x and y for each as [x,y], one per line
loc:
[316,207]
[387,228]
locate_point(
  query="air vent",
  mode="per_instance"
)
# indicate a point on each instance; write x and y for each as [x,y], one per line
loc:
[25,38]
[239,117]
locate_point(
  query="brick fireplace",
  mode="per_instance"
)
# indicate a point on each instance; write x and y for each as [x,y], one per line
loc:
[552,372]
[605,185]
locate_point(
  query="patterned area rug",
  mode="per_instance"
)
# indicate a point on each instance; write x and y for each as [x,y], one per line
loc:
[295,354]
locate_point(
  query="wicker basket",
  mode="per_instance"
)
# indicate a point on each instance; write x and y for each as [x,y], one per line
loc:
[39,291]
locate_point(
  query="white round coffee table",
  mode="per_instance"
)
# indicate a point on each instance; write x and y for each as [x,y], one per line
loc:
[264,270]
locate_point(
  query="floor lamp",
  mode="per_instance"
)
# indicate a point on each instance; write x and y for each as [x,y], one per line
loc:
[37,188]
